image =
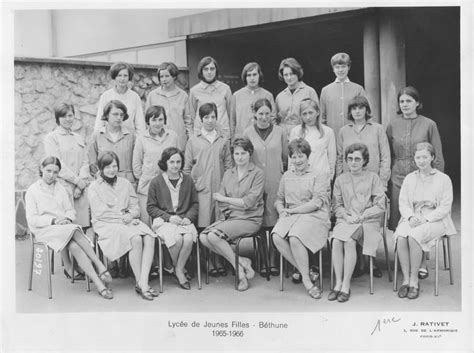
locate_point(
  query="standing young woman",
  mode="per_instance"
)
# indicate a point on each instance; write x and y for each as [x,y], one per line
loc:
[358,203]
[320,137]
[173,206]
[241,200]
[147,152]
[242,114]
[288,100]
[211,90]
[404,132]
[115,212]
[175,102]
[122,73]
[426,198]
[271,156]
[50,216]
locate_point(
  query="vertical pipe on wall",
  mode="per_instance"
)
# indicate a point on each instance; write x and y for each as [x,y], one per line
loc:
[392,62]
[372,65]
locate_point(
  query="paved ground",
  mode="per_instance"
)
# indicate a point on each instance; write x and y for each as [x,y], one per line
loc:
[220,296]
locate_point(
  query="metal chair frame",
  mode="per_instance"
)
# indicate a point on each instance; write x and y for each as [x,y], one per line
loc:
[447,257]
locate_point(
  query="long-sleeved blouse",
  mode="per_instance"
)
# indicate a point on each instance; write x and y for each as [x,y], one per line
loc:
[374,137]
[146,154]
[217,92]
[241,113]
[136,120]
[177,112]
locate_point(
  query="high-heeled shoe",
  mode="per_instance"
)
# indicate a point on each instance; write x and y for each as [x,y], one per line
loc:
[106,293]
[106,278]
[144,294]
[185,285]
[77,277]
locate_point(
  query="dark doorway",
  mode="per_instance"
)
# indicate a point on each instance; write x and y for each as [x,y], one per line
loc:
[311,41]
[433,67]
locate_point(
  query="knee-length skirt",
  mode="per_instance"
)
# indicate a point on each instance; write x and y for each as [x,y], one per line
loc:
[311,229]
[57,236]
[425,234]
[233,228]
[167,231]
[115,238]
[366,234]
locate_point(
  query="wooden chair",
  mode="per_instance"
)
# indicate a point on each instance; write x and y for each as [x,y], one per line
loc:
[447,257]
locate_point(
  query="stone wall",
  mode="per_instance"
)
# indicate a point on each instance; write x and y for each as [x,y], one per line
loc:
[42,83]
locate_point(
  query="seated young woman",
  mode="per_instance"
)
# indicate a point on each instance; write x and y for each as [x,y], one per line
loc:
[303,207]
[50,216]
[173,206]
[115,213]
[425,203]
[358,203]
[240,199]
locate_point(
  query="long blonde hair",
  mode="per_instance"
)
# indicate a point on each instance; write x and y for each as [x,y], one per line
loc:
[305,104]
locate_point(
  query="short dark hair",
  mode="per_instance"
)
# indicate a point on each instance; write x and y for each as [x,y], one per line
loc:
[154,111]
[412,92]
[167,154]
[106,158]
[117,67]
[299,145]
[206,109]
[204,62]
[341,59]
[117,104]
[249,67]
[359,101]
[294,65]
[61,110]
[47,161]
[260,103]
[362,148]
[171,67]
[243,142]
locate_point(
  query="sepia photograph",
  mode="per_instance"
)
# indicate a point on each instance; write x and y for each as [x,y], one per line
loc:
[243,177]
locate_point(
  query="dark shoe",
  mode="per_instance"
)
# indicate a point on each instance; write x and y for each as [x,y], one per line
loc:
[333,295]
[113,269]
[123,269]
[413,293]
[314,292]
[423,273]
[314,274]
[377,273]
[296,277]
[106,293]
[343,297]
[213,272]
[77,277]
[144,294]
[154,273]
[222,272]
[186,285]
[403,291]
[274,271]
[188,276]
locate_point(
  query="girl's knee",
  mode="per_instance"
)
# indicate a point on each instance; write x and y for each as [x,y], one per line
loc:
[136,241]
[187,239]
[277,239]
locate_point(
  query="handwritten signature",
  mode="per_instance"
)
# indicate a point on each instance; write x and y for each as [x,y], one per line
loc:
[384,322]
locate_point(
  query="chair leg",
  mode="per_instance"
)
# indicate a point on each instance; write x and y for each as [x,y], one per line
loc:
[450,259]
[265,255]
[198,260]
[436,267]
[30,283]
[444,253]
[52,261]
[387,257]
[371,273]
[208,254]
[395,267]
[332,265]
[160,270]
[237,263]
[48,264]
[321,269]
[256,252]
[281,271]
